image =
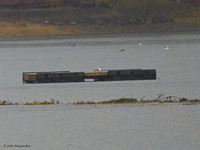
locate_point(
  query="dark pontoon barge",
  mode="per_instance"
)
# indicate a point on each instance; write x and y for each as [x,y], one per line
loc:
[104,75]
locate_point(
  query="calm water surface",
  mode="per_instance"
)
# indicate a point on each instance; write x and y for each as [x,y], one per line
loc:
[178,68]
[113,127]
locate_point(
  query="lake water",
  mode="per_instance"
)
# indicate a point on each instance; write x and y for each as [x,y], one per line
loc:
[178,68]
[114,127]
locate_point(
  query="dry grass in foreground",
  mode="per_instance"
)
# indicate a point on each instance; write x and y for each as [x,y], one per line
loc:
[24,28]
[158,100]
[52,102]
[169,99]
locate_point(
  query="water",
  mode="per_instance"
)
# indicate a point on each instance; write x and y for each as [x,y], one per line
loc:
[117,127]
[177,68]
[114,127]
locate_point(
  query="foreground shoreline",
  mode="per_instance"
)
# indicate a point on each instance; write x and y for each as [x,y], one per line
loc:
[158,100]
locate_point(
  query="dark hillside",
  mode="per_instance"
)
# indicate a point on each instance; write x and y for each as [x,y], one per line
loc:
[106,16]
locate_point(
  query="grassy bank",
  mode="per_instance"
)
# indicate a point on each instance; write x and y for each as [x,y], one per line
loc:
[24,28]
[99,17]
[158,100]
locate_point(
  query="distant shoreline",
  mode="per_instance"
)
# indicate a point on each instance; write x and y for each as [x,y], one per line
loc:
[31,18]
[23,28]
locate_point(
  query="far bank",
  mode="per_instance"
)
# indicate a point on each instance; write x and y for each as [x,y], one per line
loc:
[24,28]
[98,17]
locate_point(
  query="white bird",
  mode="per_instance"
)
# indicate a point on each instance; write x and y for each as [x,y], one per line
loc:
[98,69]
[140,44]
[166,48]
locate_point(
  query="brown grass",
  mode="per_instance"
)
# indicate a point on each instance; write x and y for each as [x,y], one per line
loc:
[24,28]
[169,99]
[52,102]
[159,100]
[39,103]
[192,16]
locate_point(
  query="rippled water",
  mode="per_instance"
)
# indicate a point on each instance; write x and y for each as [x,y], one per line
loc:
[177,68]
[113,127]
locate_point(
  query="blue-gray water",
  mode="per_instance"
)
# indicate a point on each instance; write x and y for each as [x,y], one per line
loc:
[177,68]
[113,127]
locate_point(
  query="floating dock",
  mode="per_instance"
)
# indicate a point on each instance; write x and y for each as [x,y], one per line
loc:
[103,75]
